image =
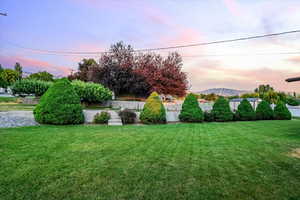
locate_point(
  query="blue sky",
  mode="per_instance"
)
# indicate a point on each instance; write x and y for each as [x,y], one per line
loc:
[93,25]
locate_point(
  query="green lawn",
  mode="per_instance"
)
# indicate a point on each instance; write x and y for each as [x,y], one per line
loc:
[242,160]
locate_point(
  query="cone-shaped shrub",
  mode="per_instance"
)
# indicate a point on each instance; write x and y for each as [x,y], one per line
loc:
[191,112]
[59,105]
[245,112]
[264,111]
[281,112]
[154,111]
[221,110]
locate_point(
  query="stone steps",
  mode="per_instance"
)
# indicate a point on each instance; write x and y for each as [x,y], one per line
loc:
[115,120]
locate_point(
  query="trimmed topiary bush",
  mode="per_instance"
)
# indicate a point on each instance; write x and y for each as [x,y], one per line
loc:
[208,116]
[154,111]
[281,112]
[245,111]
[127,116]
[30,86]
[264,111]
[102,118]
[221,110]
[191,112]
[91,92]
[59,105]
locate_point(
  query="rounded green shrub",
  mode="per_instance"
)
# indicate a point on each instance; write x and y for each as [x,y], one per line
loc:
[208,116]
[30,86]
[245,111]
[264,111]
[281,112]
[8,77]
[91,92]
[191,112]
[59,105]
[292,101]
[127,116]
[102,118]
[221,110]
[154,111]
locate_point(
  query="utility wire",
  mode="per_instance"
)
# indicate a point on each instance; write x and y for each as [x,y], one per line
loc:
[159,48]
[254,54]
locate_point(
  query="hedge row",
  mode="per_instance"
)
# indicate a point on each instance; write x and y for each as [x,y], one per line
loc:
[88,92]
[221,112]
[154,111]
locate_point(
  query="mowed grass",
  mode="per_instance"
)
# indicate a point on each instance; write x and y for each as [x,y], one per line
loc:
[242,160]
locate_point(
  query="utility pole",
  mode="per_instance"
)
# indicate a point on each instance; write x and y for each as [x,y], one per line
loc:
[3,14]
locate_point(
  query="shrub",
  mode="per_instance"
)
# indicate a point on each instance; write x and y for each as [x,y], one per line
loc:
[221,110]
[154,111]
[59,105]
[27,86]
[127,116]
[8,77]
[102,118]
[292,102]
[91,92]
[191,112]
[264,111]
[208,116]
[42,76]
[281,112]
[88,92]
[245,112]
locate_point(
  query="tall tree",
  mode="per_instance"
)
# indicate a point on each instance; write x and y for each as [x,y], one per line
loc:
[1,68]
[19,69]
[263,89]
[83,69]
[125,72]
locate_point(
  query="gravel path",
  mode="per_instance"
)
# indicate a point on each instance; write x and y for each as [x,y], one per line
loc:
[16,119]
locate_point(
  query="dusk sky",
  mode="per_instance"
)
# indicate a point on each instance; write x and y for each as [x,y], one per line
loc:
[93,25]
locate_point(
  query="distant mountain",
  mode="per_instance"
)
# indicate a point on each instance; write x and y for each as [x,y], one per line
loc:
[224,92]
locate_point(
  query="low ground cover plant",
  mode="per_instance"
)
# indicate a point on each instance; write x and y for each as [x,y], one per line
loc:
[101,118]
[154,111]
[191,112]
[127,116]
[59,105]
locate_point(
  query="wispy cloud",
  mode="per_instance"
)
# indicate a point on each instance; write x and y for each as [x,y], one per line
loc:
[33,65]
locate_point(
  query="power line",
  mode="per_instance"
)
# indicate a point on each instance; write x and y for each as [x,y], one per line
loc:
[159,48]
[254,54]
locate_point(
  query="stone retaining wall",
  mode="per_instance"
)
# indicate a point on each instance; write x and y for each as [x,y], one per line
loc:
[26,118]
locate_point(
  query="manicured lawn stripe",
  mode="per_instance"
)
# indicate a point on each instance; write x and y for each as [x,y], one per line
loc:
[238,160]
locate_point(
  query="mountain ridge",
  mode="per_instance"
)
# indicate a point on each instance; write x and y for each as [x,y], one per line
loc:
[224,91]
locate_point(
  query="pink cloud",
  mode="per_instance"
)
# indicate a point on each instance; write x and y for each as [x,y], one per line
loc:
[295,60]
[211,74]
[33,65]
[233,7]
